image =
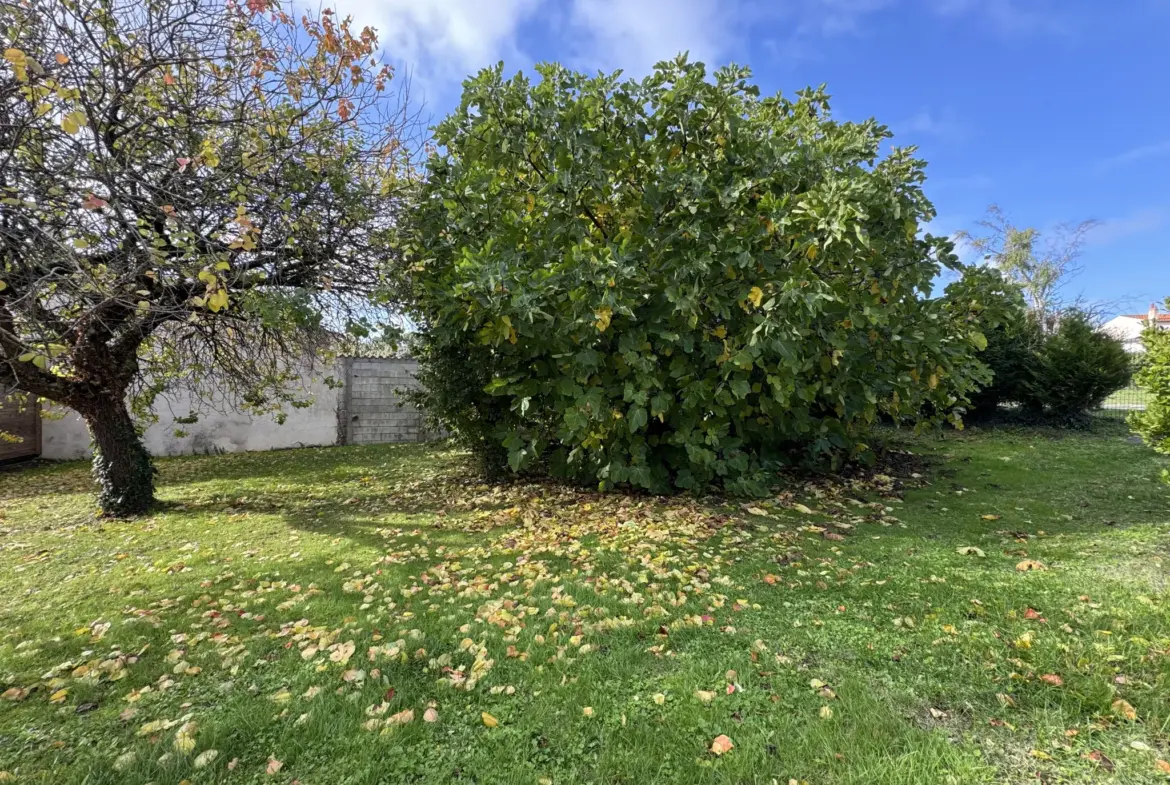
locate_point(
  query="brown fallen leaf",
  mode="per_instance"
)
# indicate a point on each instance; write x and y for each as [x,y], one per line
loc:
[721,745]
[1053,679]
[833,536]
[1030,564]
[1101,759]
[14,694]
[430,715]
[1162,766]
[273,767]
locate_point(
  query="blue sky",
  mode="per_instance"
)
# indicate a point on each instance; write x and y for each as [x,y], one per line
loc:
[1057,110]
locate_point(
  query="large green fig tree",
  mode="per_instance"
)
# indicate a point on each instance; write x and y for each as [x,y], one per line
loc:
[675,283]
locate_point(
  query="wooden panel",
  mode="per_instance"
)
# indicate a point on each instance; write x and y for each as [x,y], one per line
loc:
[23,422]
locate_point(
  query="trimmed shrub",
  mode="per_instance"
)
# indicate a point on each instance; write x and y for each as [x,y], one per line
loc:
[1075,370]
[673,283]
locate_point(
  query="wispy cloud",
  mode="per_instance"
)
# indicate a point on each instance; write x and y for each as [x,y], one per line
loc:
[1009,17]
[442,41]
[1132,156]
[1140,222]
[927,123]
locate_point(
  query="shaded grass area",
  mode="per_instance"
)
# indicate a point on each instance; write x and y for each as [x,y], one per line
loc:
[1000,616]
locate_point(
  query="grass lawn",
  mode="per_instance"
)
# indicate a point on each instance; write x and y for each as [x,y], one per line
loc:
[995,610]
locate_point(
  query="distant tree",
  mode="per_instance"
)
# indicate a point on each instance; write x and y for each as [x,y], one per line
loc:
[1039,264]
[188,190]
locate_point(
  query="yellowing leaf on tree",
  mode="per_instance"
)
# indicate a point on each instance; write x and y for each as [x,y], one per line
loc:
[720,332]
[756,295]
[218,300]
[62,59]
[488,720]
[722,744]
[14,56]
[1122,708]
[603,314]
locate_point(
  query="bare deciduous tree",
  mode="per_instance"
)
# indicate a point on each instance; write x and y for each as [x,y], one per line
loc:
[1040,264]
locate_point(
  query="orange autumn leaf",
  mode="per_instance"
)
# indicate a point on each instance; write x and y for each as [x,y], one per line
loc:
[1052,678]
[721,745]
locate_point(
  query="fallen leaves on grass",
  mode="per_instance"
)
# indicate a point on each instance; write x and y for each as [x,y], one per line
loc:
[273,766]
[488,720]
[721,745]
[1122,708]
[1029,565]
[970,550]
[1053,679]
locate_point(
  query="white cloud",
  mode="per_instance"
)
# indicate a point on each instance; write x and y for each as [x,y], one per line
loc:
[635,34]
[442,41]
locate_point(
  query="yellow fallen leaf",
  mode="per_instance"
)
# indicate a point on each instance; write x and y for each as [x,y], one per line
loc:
[705,696]
[185,738]
[991,517]
[756,295]
[803,509]
[587,711]
[1124,709]
[59,696]
[721,745]
[826,713]
[1030,564]
[659,698]
[489,720]
[125,760]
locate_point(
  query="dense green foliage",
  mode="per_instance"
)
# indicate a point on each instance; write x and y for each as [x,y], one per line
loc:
[673,282]
[1076,368]
[1013,339]
[1153,376]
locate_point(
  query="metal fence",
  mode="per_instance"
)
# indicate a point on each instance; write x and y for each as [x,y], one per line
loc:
[1126,400]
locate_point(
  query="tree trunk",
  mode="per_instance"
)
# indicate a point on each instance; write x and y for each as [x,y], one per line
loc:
[121,464]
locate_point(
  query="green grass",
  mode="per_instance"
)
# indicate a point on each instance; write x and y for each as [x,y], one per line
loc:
[876,654]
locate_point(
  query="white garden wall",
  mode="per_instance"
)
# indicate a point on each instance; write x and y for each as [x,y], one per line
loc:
[362,412]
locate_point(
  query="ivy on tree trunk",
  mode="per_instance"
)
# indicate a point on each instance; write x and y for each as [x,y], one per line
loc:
[121,463]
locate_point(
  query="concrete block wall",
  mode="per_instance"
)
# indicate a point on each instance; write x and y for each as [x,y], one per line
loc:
[364,411]
[372,408]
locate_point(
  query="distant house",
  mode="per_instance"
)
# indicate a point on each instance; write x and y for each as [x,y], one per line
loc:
[1128,328]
